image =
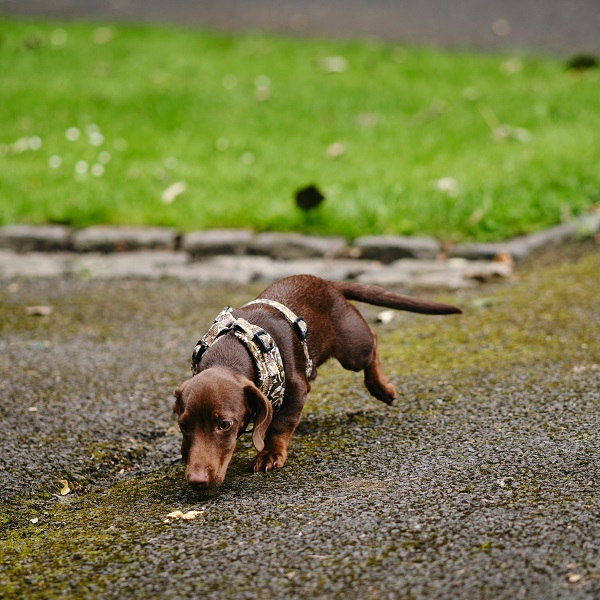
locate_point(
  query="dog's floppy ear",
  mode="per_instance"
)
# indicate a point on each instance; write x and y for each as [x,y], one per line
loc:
[263,411]
[178,404]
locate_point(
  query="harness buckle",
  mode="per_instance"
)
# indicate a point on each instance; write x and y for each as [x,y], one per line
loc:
[301,328]
[200,348]
[264,341]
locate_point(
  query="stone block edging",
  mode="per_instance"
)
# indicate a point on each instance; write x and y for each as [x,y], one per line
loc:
[240,256]
[278,246]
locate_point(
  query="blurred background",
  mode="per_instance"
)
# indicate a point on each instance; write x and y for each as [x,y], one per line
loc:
[556,26]
[471,120]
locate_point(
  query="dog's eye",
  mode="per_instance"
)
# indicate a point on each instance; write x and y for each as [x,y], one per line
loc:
[183,427]
[224,425]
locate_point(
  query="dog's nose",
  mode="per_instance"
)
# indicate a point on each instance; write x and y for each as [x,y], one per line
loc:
[199,478]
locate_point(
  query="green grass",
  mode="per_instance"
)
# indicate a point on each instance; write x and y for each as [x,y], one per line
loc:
[245,120]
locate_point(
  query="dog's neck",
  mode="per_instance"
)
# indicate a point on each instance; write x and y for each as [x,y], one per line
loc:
[231,353]
[262,348]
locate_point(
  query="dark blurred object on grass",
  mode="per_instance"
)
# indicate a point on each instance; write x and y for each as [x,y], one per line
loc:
[309,197]
[582,62]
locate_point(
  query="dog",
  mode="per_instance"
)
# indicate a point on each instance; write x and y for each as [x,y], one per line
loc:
[256,364]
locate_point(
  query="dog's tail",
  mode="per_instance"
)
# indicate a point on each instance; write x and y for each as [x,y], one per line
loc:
[372,294]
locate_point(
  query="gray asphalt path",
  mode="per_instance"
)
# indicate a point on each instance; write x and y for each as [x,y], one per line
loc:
[556,26]
[482,481]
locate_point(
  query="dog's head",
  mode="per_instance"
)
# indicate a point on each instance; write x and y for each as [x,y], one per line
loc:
[213,409]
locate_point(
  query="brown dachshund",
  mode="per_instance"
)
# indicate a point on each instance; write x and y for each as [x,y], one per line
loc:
[256,363]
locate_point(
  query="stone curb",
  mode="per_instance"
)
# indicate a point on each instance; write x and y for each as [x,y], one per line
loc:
[240,256]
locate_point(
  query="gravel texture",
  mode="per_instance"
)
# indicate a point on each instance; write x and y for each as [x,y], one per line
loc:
[482,481]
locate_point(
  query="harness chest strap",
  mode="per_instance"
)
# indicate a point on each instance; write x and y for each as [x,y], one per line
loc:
[298,325]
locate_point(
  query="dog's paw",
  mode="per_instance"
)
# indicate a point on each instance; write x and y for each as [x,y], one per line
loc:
[389,394]
[266,461]
[382,390]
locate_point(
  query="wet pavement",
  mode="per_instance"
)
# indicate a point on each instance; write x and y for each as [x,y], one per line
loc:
[481,482]
[553,26]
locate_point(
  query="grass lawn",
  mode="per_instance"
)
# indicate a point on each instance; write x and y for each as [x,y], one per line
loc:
[162,126]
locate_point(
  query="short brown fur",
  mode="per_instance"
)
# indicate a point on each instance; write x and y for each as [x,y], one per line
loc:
[216,405]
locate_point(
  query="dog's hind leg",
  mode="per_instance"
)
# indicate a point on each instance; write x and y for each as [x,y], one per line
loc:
[356,350]
[375,381]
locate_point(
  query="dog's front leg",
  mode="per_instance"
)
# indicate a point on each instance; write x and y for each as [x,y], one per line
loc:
[281,429]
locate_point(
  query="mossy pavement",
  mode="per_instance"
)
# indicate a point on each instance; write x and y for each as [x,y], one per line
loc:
[482,481]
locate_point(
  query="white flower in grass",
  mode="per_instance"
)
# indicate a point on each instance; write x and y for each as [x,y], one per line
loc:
[104,157]
[72,134]
[262,88]
[97,170]
[81,167]
[55,161]
[262,81]
[248,158]
[34,143]
[102,35]
[222,144]
[20,146]
[58,38]
[96,139]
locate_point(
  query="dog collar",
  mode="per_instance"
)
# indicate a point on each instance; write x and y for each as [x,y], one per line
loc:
[260,344]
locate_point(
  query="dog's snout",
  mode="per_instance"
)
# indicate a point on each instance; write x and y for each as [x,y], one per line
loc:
[199,478]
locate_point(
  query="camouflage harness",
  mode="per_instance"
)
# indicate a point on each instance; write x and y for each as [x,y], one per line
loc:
[260,344]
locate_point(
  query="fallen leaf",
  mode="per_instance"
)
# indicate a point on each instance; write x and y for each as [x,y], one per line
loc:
[174,190]
[385,316]
[504,257]
[334,64]
[192,514]
[65,487]
[435,110]
[508,132]
[336,149]
[476,216]
[366,120]
[188,516]
[447,184]
[39,311]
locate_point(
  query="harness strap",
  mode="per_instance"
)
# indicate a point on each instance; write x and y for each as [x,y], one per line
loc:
[260,344]
[298,325]
[267,357]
